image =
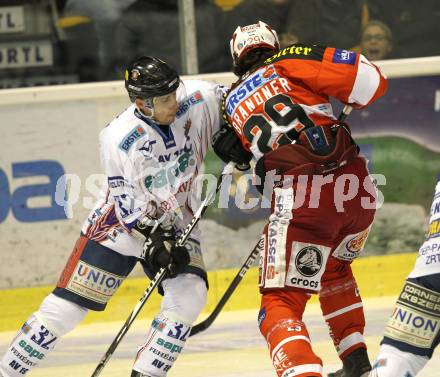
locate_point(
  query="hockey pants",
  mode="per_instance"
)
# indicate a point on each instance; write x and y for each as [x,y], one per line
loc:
[286,334]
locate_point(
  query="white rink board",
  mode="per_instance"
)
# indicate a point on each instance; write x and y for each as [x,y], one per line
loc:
[62,124]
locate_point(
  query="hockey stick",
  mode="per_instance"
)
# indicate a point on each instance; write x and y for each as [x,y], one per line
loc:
[344,113]
[244,268]
[228,293]
[160,275]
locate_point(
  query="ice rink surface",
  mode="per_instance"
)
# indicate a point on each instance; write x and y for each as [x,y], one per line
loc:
[231,347]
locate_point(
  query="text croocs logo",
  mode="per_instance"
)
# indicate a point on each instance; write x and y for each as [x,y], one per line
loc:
[309,261]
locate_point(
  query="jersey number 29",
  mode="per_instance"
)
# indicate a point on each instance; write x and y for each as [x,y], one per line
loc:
[277,127]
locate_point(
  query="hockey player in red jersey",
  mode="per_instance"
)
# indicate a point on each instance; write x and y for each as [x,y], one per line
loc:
[323,201]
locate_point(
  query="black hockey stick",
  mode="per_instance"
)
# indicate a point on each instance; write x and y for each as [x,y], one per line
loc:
[344,113]
[244,268]
[228,293]
[159,276]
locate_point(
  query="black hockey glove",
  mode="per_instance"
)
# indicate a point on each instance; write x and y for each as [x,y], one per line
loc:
[228,147]
[160,252]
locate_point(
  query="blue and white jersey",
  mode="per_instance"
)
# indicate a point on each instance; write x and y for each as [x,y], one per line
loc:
[151,169]
[428,260]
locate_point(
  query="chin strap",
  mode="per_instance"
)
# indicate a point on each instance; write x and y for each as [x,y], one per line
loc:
[140,113]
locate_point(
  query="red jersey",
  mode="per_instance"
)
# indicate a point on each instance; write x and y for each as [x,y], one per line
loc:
[271,105]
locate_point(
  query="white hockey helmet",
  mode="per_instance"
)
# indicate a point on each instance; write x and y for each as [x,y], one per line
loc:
[249,37]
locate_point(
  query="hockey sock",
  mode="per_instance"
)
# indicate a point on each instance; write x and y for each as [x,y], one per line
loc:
[31,345]
[164,344]
[343,312]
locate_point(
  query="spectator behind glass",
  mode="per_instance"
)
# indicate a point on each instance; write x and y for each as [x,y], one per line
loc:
[272,12]
[415,25]
[93,39]
[327,23]
[79,48]
[376,41]
[152,27]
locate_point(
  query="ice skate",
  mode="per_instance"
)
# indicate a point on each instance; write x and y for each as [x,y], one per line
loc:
[355,365]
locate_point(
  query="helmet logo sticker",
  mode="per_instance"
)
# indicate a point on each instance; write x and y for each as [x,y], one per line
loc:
[147,77]
[173,82]
[135,74]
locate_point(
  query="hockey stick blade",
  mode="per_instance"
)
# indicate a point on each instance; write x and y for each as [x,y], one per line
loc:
[229,291]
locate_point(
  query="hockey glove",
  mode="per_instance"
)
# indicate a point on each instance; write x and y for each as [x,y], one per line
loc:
[228,147]
[159,251]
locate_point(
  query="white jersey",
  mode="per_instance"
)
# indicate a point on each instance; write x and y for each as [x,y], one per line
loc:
[151,169]
[428,260]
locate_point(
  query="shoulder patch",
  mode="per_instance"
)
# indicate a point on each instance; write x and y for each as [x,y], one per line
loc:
[298,52]
[192,99]
[344,57]
[249,86]
[129,139]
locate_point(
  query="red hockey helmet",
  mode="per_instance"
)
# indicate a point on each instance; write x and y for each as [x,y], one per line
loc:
[249,37]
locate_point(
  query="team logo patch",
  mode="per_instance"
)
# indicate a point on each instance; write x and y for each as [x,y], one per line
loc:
[25,328]
[187,127]
[270,73]
[135,74]
[380,363]
[356,244]
[250,86]
[147,149]
[309,261]
[261,316]
[135,134]
[352,245]
[158,325]
[433,230]
[192,100]
[344,57]
[93,283]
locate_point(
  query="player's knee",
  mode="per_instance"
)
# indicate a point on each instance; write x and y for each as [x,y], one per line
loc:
[184,297]
[60,315]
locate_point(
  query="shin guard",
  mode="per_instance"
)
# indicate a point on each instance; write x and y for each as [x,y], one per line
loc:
[164,344]
[287,336]
[31,345]
[343,312]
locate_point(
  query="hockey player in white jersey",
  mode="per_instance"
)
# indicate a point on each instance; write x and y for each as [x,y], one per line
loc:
[151,154]
[413,330]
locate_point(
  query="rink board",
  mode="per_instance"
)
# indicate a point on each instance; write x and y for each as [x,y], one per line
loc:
[376,277]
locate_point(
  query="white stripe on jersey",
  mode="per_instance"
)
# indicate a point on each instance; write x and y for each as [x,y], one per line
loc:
[366,83]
